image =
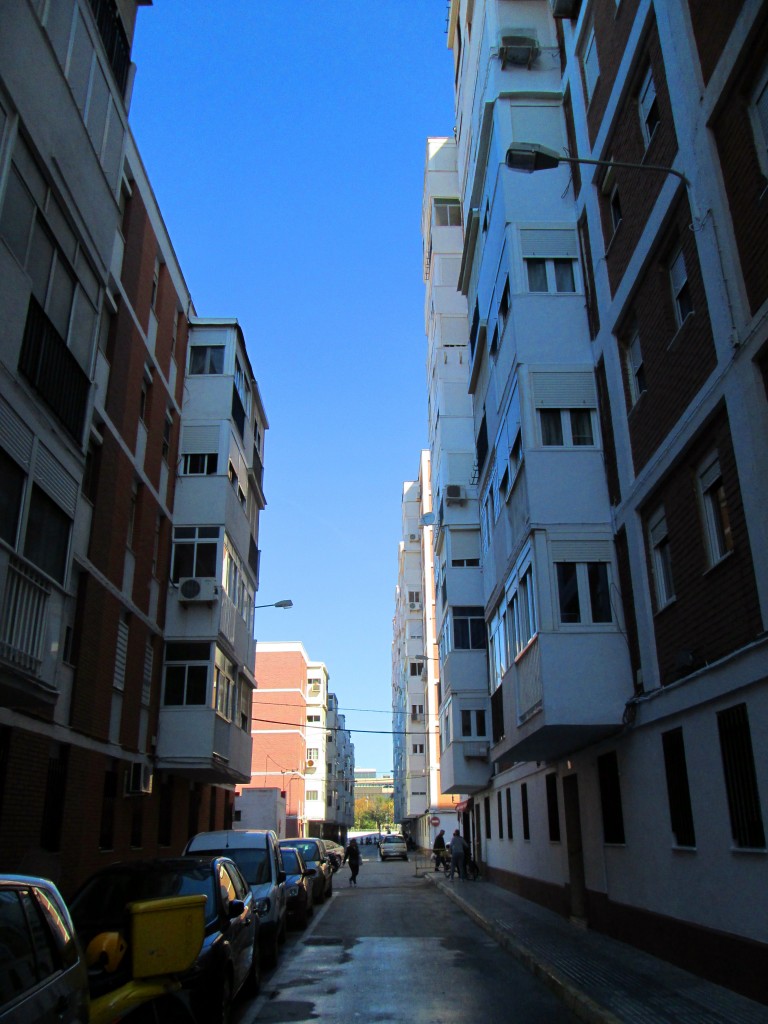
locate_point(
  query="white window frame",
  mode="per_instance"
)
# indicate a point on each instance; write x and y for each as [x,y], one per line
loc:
[590,64]
[586,611]
[680,284]
[646,101]
[661,559]
[758,113]
[633,361]
[566,427]
[551,272]
[453,207]
[718,536]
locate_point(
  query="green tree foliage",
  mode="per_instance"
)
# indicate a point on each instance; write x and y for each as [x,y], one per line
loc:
[374,812]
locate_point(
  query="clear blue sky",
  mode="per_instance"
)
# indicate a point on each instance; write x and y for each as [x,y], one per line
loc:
[285,142]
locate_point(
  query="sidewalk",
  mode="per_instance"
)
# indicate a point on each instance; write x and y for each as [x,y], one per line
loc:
[602,981]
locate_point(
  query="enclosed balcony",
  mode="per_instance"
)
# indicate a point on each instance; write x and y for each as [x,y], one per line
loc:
[199,743]
[465,766]
[565,692]
[25,679]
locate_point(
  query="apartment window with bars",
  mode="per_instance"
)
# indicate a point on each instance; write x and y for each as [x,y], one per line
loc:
[500,814]
[487,816]
[678,791]
[610,798]
[524,807]
[509,812]
[553,812]
[740,778]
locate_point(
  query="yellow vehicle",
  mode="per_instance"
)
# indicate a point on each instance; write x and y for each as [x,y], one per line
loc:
[164,940]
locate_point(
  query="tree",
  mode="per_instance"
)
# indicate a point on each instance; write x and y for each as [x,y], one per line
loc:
[371,812]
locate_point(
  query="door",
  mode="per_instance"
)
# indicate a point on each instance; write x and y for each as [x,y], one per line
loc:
[578,887]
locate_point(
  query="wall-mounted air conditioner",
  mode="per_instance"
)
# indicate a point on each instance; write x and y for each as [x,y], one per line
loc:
[519,47]
[564,8]
[413,537]
[310,763]
[138,778]
[415,606]
[198,590]
[455,494]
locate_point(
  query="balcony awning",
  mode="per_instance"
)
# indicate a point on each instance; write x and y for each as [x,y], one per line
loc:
[465,805]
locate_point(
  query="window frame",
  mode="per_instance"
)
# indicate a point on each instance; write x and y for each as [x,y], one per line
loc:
[566,426]
[661,557]
[590,64]
[683,309]
[716,525]
[635,368]
[586,605]
[646,110]
[759,96]
[550,269]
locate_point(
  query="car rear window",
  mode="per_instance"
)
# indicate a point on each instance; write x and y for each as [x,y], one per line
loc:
[309,850]
[290,861]
[253,864]
[103,900]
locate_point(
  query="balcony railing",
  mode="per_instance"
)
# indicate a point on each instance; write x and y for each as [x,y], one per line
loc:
[114,39]
[53,371]
[22,624]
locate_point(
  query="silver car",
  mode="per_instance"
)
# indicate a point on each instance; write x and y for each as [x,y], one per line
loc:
[393,846]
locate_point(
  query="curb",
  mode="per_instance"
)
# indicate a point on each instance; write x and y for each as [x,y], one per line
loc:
[578,1002]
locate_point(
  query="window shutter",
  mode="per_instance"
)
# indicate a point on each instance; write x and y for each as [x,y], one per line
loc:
[56,481]
[465,544]
[200,440]
[15,435]
[564,389]
[121,655]
[549,243]
[146,686]
[581,550]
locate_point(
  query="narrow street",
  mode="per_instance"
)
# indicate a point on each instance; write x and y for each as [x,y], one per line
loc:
[395,949]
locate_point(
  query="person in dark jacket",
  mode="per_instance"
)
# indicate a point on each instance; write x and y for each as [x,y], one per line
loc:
[352,856]
[438,848]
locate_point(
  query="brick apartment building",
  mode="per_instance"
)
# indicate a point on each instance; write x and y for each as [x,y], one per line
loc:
[617,335]
[94,351]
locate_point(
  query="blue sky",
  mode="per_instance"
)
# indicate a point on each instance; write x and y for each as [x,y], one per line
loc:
[285,142]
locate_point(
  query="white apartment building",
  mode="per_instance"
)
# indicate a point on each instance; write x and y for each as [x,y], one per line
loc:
[205,718]
[617,372]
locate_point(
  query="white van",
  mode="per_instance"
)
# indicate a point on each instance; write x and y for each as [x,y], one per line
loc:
[257,853]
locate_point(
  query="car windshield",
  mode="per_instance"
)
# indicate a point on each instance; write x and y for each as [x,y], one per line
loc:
[309,850]
[100,904]
[393,839]
[253,864]
[290,861]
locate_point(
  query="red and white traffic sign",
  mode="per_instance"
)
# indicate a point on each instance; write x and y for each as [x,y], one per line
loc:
[434,821]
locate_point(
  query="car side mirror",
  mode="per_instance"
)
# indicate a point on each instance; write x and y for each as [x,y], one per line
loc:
[281,876]
[310,871]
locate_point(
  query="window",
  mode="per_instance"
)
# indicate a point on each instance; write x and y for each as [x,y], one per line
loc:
[47,537]
[569,428]
[555,275]
[717,523]
[417,710]
[244,699]
[500,814]
[681,291]
[649,107]
[553,814]
[487,816]
[615,207]
[740,778]
[633,361]
[186,673]
[418,748]
[759,115]
[167,432]
[509,812]
[155,284]
[610,797]
[224,691]
[200,464]
[468,629]
[195,552]
[583,592]
[414,596]
[206,359]
[504,307]
[11,494]
[313,753]
[524,807]
[590,65]
[313,718]
[415,668]
[678,793]
[447,213]
[312,794]
[661,558]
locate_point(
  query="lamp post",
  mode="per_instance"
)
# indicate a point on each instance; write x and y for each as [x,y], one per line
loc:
[286,603]
[530,156]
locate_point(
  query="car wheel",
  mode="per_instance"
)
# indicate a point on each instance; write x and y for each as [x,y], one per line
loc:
[253,981]
[270,951]
[219,1005]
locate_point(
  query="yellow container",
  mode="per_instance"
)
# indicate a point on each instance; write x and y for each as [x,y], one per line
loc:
[166,934]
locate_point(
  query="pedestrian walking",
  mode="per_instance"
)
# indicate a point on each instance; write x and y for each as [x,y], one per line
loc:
[458,854]
[352,857]
[438,848]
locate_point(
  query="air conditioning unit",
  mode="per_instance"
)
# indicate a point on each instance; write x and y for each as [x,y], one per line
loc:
[519,47]
[415,606]
[138,778]
[454,494]
[310,763]
[314,688]
[413,537]
[198,590]
[564,8]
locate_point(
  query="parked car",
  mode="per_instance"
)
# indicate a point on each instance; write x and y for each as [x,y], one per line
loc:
[393,846]
[229,958]
[298,887]
[316,857]
[43,975]
[257,853]
[335,853]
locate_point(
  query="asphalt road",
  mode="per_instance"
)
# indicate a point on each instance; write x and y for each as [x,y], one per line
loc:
[394,949]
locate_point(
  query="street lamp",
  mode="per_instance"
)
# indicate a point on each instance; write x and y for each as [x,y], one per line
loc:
[276,604]
[530,156]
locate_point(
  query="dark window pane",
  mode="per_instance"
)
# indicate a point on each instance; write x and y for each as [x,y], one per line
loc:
[551,427]
[47,538]
[183,561]
[12,476]
[466,723]
[740,777]
[599,595]
[567,587]
[610,797]
[174,684]
[678,792]
[205,564]
[197,682]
